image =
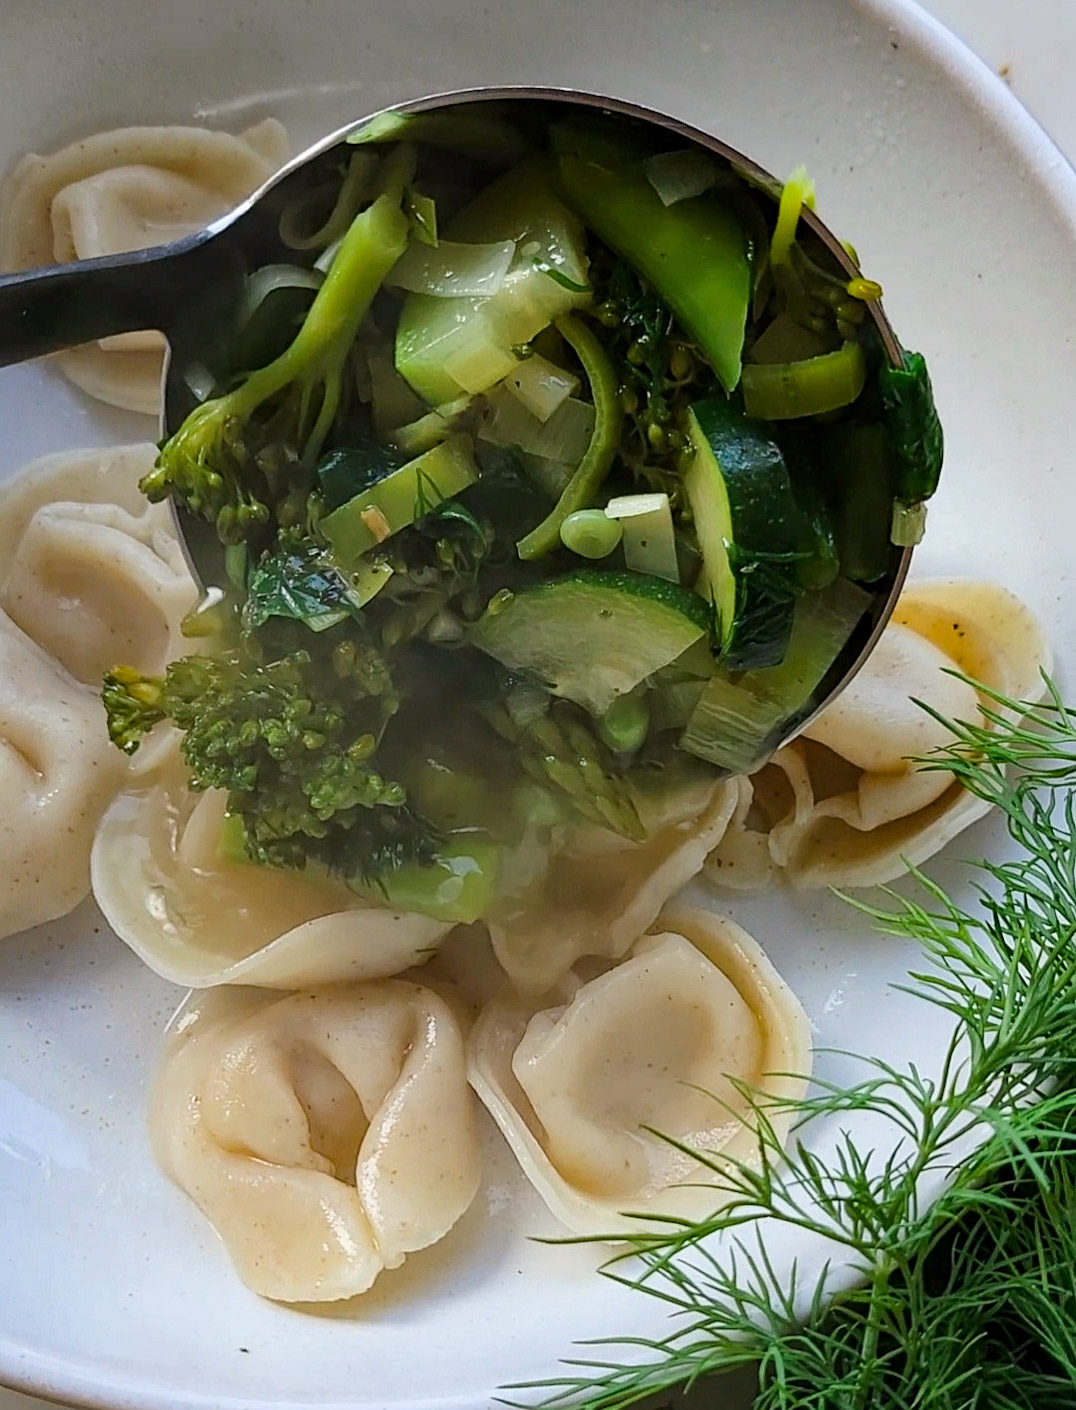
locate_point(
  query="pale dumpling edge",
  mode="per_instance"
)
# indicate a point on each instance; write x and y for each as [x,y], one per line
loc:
[260,1098]
[788,1060]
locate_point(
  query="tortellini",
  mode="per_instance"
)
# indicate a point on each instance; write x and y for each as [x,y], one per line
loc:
[104,475]
[126,190]
[660,1041]
[200,919]
[326,1135]
[844,805]
[600,892]
[94,574]
[57,773]
[98,587]
[87,573]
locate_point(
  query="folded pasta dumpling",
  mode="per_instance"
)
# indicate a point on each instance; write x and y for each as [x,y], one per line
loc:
[200,918]
[326,1135]
[600,892]
[58,772]
[89,575]
[126,190]
[844,804]
[98,587]
[98,475]
[659,1042]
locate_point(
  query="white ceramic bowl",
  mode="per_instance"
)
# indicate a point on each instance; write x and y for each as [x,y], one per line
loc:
[112,1290]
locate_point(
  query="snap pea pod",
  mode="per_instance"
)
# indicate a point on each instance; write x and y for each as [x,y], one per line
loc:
[694,253]
[582,488]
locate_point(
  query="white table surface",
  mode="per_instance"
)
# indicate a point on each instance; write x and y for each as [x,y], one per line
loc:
[1032,45]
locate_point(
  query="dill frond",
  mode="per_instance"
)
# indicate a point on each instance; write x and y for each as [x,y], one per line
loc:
[963,1299]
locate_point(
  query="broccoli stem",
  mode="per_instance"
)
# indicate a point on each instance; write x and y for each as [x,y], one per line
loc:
[201,462]
[375,240]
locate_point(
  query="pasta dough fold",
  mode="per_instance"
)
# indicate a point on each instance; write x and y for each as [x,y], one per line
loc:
[88,575]
[600,892]
[58,772]
[200,919]
[844,805]
[326,1135]
[98,586]
[126,190]
[660,1041]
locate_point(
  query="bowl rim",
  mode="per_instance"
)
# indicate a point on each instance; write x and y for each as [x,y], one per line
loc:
[66,1383]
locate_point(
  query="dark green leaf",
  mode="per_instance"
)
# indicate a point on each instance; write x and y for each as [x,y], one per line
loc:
[915,433]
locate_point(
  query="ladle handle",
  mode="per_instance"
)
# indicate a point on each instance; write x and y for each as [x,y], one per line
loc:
[61,306]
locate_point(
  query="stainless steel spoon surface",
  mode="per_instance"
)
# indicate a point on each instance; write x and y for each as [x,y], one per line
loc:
[189,288]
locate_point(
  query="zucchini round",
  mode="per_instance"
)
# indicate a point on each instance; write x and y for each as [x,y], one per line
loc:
[592,637]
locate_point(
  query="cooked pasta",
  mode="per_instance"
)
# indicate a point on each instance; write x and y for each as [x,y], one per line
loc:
[126,190]
[658,1042]
[57,773]
[326,1134]
[600,892]
[86,570]
[845,804]
[166,888]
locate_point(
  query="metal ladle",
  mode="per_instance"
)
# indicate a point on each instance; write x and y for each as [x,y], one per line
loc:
[188,288]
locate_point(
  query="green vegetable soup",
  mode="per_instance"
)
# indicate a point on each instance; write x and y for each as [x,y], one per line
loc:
[550,457]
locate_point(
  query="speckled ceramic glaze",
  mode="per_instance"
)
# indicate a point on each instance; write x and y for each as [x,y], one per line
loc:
[113,1291]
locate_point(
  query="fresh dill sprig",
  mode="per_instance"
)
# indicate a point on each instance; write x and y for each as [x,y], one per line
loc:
[957,1250]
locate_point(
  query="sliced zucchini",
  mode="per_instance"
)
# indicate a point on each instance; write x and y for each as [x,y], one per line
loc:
[649,538]
[739,720]
[675,689]
[820,563]
[445,345]
[749,529]
[398,499]
[592,636]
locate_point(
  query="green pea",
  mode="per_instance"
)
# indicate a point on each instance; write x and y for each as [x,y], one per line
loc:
[591,533]
[624,725]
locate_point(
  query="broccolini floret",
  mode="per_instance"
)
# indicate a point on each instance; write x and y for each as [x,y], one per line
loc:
[224,462]
[291,740]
